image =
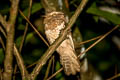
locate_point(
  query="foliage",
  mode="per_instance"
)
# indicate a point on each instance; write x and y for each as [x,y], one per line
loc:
[93,21]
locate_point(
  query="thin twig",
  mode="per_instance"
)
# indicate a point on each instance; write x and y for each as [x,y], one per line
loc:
[36,63]
[53,47]
[26,27]
[3,31]
[55,73]
[20,62]
[17,55]
[21,65]
[2,43]
[88,49]
[3,21]
[8,69]
[48,68]
[34,28]
[77,45]
[24,35]
[14,71]
[99,40]
[19,59]
[32,64]
[118,75]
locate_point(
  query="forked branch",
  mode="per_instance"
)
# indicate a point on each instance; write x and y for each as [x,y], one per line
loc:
[10,40]
[53,47]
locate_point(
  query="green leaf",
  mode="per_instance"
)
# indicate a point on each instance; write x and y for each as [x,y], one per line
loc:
[21,27]
[96,18]
[59,76]
[35,7]
[104,65]
[29,37]
[37,52]
[107,15]
[18,41]
[57,65]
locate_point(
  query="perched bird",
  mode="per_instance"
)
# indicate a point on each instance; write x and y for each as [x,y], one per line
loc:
[55,22]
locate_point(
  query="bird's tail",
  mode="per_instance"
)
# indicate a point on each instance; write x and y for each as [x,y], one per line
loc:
[70,63]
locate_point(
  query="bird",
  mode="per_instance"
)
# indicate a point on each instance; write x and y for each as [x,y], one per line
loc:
[54,23]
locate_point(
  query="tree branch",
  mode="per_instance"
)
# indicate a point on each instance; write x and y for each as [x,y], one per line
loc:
[101,38]
[26,27]
[48,68]
[53,47]
[21,65]
[7,75]
[3,21]
[19,59]
[117,75]
[34,28]
[78,44]
[23,39]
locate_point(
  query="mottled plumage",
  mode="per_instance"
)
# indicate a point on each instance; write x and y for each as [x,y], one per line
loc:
[54,23]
